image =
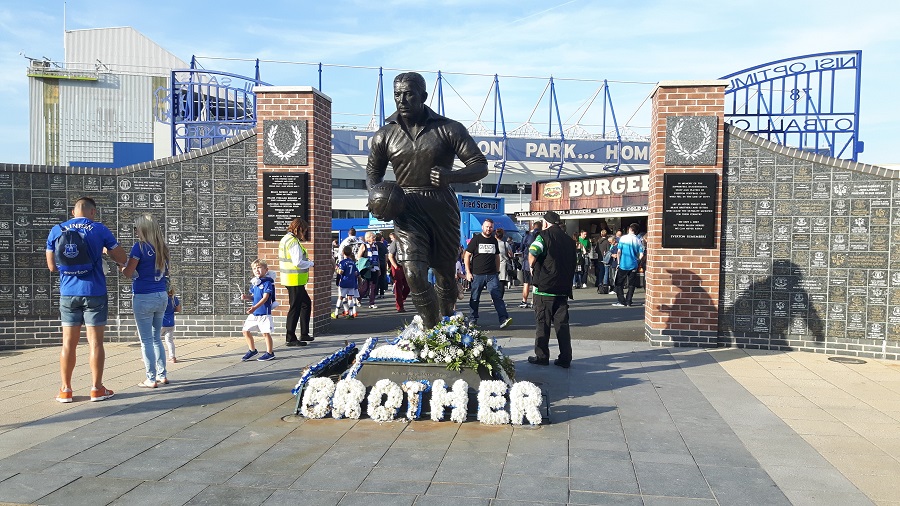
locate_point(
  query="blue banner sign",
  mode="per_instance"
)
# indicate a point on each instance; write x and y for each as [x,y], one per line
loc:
[355,142]
[471,204]
[376,224]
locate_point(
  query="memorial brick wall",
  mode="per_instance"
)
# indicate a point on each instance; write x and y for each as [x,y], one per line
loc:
[801,254]
[221,207]
[301,114]
[806,251]
[207,201]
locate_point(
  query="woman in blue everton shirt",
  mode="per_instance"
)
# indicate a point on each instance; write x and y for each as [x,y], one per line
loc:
[148,266]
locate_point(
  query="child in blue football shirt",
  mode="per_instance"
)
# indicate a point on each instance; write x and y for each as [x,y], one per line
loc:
[168,323]
[259,315]
[348,285]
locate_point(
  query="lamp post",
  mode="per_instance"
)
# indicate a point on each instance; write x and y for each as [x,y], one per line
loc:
[521,187]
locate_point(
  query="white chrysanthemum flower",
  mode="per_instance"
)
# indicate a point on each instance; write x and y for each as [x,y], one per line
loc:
[390,352]
[431,354]
[448,359]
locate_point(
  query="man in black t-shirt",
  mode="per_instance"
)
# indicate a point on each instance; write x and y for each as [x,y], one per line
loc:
[482,260]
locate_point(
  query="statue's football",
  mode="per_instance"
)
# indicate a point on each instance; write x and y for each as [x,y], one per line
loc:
[386,200]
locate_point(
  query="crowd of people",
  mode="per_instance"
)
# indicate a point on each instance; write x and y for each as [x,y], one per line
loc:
[598,261]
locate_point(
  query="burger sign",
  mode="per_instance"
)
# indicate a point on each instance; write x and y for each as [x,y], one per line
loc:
[552,191]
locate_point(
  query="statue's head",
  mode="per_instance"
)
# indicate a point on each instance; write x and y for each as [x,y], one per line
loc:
[410,94]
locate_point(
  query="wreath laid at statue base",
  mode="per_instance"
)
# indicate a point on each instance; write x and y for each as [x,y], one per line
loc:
[434,370]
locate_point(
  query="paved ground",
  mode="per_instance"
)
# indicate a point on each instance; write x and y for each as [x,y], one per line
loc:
[630,425]
[592,317]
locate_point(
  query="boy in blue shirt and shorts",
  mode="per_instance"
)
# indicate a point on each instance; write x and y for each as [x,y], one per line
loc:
[259,315]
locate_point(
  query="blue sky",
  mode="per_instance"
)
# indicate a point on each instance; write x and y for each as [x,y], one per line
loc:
[633,44]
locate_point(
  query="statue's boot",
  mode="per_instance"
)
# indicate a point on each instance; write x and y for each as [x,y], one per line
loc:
[446,299]
[427,306]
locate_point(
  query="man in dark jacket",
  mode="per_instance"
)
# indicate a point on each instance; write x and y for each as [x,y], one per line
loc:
[552,259]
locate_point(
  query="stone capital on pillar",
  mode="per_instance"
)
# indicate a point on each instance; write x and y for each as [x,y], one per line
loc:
[301,143]
[683,283]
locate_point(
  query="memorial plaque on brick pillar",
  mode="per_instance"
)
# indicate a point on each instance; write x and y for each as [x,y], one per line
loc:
[294,148]
[684,216]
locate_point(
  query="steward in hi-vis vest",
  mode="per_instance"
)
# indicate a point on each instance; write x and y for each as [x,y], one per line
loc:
[291,275]
[294,264]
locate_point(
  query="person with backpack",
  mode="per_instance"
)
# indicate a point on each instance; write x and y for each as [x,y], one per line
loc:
[552,258]
[629,254]
[74,249]
[604,251]
[148,268]
[364,270]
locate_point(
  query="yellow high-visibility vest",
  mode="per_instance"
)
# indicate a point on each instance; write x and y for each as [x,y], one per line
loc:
[291,275]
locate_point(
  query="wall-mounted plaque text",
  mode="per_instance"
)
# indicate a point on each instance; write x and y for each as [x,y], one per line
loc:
[285,197]
[689,210]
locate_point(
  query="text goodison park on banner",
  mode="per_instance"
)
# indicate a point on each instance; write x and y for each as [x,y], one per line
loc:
[354,142]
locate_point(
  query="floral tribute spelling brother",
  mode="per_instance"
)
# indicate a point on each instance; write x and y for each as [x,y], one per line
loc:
[452,342]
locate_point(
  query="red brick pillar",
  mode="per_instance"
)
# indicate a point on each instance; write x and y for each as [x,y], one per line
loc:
[683,283]
[301,144]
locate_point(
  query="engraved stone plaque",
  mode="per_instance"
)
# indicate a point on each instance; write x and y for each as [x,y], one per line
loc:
[284,142]
[690,140]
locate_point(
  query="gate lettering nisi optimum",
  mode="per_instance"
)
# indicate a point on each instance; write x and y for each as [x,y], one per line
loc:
[206,106]
[810,102]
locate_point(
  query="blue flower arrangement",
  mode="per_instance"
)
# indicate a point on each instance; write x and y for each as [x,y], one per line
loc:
[456,343]
[320,366]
